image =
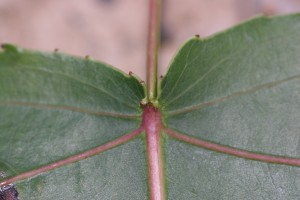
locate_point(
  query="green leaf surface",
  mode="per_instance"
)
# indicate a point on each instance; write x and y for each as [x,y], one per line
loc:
[241,89]
[53,106]
[119,173]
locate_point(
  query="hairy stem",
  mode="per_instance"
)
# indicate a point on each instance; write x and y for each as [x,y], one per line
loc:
[152,49]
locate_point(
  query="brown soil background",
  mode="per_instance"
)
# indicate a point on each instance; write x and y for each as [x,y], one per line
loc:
[114,31]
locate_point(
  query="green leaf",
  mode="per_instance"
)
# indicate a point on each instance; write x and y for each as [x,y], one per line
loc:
[229,105]
[53,106]
[240,89]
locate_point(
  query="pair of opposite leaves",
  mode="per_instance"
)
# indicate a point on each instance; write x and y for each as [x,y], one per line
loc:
[239,88]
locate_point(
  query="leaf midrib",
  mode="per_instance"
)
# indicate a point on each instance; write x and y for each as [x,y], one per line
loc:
[223,149]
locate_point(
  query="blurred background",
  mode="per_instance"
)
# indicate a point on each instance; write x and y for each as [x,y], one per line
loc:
[115,31]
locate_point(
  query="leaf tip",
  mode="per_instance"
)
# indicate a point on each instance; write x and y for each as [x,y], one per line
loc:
[197,36]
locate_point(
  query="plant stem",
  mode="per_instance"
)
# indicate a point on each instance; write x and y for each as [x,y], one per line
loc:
[152,48]
[152,125]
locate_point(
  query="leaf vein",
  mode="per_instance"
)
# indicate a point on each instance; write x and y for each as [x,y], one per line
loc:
[68,108]
[236,94]
[262,157]
[79,81]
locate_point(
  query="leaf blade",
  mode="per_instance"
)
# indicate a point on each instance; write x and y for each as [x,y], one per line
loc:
[53,106]
[238,89]
[206,59]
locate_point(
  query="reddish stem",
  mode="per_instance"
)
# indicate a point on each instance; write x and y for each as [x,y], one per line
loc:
[72,159]
[233,151]
[152,49]
[152,125]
